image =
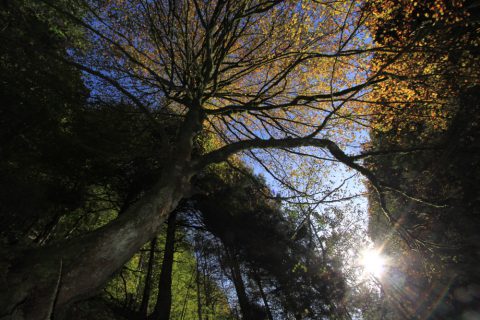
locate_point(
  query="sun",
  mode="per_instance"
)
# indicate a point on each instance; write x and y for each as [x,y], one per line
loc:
[373,262]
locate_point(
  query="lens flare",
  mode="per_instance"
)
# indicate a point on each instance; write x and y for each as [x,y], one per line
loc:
[373,262]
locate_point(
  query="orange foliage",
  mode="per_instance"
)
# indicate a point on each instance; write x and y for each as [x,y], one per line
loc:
[437,46]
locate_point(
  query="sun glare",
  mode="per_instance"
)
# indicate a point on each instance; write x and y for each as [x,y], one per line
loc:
[373,262]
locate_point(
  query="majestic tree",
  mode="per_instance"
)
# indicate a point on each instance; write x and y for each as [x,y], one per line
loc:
[282,75]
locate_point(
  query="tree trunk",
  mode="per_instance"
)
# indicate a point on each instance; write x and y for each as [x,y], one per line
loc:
[264,296]
[199,293]
[45,281]
[87,261]
[237,279]
[164,297]
[148,280]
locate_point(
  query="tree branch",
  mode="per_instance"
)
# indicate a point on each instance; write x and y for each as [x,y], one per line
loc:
[295,101]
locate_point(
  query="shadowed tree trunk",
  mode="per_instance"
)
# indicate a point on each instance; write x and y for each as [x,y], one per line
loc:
[164,297]
[199,295]
[148,280]
[264,297]
[243,300]
[87,262]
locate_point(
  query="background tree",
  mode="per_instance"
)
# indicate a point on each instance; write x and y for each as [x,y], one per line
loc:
[302,283]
